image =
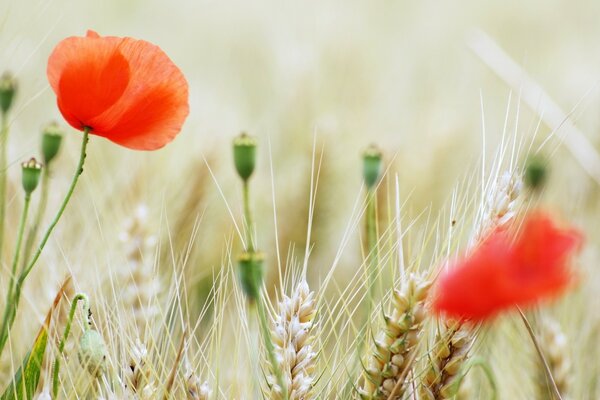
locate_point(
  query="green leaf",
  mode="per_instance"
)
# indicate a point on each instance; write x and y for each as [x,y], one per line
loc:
[26,380]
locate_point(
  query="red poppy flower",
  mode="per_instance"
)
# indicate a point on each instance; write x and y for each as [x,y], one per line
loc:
[503,272]
[123,89]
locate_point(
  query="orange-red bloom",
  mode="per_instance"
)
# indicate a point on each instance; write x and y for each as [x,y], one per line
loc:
[503,272]
[123,89]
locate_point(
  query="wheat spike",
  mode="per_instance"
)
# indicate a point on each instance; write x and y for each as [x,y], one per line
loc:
[554,344]
[449,354]
[395,343]
[137,372]
[501,205]
[293,336]
[141,285]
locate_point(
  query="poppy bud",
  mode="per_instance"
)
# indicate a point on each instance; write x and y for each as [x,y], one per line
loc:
[31,175]
[536,172]
[51,141]
[244,155]
[251,273]
[8,88]
[92,352]
[371,166]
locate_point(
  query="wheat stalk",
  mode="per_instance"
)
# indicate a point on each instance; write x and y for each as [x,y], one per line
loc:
[391,356]
[293,336]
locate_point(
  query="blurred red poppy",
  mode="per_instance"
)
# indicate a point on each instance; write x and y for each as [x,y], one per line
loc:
[502,273]
[123,89]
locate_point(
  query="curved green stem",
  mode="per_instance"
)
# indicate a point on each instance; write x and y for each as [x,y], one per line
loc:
[41,211]
[62,208]
[14,302]
[3,173]
[63,341]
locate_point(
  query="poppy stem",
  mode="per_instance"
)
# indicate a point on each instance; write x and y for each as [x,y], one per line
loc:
[3,172]
[63,341]
[13,274]
[248,223]
[541,355]
[372,256]
[13,304]
[41,211]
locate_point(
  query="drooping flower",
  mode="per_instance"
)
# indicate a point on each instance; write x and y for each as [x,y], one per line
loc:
[503,272]
[123,89]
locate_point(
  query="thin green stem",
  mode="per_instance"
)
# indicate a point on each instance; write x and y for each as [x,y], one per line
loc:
[266,334]
[14,302]
[13,275]
[20,232]
[248,223]
[41,211]
[63,341]
[372,257]
[3,173]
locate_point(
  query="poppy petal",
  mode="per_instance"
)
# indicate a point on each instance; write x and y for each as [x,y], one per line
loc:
[154,106]
[124,89]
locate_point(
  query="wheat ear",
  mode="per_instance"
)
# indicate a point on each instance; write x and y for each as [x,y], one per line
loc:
[391,355]
[554,344]
[140,283]
[293,336]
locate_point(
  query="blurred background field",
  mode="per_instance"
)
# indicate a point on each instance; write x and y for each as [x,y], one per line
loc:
[329,77]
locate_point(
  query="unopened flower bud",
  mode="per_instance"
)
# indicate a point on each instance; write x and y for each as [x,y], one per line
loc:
[31,175]
[371,166]
[51,140]
[92,352]
[536,172]
[251,273]
[244,155]
[8,88]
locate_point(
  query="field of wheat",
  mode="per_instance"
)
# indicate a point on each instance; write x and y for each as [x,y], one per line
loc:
[299,200]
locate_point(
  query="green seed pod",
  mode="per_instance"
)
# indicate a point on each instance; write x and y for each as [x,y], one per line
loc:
[371,166]
[244,155]
[92,352]
[536,172]
[8,88]
[251,273]
[31,175]
[51,141]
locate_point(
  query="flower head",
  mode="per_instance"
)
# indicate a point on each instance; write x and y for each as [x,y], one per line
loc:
[502,273]
[123,89]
